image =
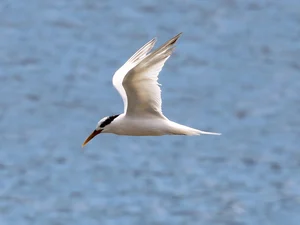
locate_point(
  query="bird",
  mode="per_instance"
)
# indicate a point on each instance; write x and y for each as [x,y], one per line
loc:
[137,83]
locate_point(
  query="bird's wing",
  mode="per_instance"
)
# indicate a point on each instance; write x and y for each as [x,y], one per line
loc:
[132,62]
[140,83]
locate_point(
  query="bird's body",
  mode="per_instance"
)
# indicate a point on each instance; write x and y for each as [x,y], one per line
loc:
[133,126]
[136,81]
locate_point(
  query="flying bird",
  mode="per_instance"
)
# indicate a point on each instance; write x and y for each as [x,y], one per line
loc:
[136,82]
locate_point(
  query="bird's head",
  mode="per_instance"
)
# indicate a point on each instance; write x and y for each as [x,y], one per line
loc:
[102,126]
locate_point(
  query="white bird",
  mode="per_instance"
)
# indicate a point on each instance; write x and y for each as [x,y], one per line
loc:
[136,82]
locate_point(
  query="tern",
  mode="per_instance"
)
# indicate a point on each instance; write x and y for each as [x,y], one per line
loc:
[137,83]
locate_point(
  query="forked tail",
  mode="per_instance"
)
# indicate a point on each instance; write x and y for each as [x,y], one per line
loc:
[178,129]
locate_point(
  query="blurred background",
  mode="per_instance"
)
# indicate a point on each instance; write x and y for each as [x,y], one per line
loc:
[235,71]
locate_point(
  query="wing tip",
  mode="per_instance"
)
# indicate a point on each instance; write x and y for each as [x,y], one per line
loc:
[175,38]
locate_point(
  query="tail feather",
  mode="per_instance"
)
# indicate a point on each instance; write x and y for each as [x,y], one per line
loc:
[178,129]
[193,131]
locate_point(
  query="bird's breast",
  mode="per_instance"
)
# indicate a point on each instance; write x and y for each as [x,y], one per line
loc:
[141,127]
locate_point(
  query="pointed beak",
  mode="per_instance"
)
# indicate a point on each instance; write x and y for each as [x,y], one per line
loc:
[92,135]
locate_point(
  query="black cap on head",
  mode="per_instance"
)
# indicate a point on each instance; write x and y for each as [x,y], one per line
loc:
[108,120]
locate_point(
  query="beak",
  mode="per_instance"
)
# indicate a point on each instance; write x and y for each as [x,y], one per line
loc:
[92,135]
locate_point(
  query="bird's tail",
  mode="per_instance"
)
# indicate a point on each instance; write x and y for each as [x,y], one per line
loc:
[178,129]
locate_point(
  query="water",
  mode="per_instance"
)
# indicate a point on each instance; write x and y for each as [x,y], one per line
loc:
[235,71]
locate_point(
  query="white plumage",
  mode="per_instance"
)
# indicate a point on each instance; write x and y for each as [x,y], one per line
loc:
[136,82]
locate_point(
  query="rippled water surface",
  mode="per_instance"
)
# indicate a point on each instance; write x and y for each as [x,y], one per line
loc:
[235,71]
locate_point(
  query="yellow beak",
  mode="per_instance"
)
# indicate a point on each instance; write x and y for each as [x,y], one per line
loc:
[92,135]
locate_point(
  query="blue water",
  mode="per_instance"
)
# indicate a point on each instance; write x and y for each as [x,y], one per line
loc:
[235,71]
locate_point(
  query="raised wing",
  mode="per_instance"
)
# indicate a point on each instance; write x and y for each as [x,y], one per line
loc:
[132,62]
[140,83]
